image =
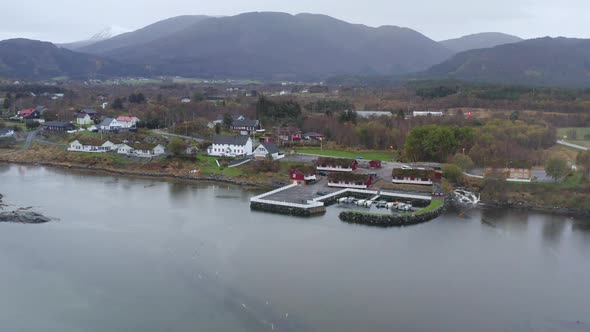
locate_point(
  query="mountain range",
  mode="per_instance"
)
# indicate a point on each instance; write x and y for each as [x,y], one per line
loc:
[542,61]
[479,40]
[31,59]
[278,46]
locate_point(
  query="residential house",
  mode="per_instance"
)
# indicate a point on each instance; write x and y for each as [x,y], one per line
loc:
[6,132]
[93,114]
[288,134]
[109,124]
[427,113]
[218,120]
[513,172]
[302,175]
[57,96]
[29,114]
[127,121]
[143,150]
[418,176]
[113,145]
[230,146]
[87,146]
[268,149]
[350,180]
[185,100]
[58,126]
[245,126]
[41,109]
[336,165]
[313,136]
[84,119]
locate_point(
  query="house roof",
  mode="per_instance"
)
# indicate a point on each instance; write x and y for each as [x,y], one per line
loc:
[313,134]
[305,169]
[57,124]
[89,111]
[231,140]
[271,147]
[82,115]
[245,123]
[106,121]
[126,118]
[143,146]
[26,112]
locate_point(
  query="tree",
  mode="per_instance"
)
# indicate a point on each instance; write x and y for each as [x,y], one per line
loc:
[453,173]
[556,168]
[218,128]
[198,97]
[137,98]
[514,116]
[176,147]
[463,162]
[118,104]
[32,124]
[227,120]
[583,160]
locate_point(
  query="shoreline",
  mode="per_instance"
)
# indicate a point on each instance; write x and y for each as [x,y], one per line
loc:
[130,174]
[269,186]
[561,211]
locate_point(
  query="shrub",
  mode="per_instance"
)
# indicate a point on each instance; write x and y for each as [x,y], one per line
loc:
[453,173]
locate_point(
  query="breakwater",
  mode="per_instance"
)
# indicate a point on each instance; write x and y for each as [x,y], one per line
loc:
[379,220]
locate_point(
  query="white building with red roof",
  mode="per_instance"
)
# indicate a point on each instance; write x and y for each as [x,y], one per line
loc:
[128,121]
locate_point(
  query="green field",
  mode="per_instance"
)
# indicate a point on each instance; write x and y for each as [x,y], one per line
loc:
[435,204]
[368,155]
[562,133]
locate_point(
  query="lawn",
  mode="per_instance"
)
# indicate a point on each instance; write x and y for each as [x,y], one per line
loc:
[368,155]
[208,166]
[435,204]
[562,133]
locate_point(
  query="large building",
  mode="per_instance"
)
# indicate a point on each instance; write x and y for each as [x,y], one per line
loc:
[230,146]
[350,180]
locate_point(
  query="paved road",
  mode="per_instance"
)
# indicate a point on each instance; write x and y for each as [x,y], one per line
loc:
[166,134]
[575,146]
[30,138]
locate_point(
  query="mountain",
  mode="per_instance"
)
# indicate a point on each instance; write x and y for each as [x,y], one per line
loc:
[270,45]
[106,33]
[479,40]
[31,59]
[161,29]
[543,61]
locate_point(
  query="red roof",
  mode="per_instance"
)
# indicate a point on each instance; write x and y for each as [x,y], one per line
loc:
[125,119]
[26,112]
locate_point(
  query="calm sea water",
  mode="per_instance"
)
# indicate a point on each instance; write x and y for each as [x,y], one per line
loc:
[142,255]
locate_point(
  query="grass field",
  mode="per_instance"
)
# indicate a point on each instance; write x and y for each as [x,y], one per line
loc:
[435,204]
[562,133]
[369,155]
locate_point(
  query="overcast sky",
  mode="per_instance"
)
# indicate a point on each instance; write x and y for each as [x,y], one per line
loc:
[71,20]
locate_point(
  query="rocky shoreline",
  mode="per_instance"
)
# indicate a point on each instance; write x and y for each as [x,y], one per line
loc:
[538,208]
[23,217]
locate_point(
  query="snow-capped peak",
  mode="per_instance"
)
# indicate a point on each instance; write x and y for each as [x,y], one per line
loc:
[109,32]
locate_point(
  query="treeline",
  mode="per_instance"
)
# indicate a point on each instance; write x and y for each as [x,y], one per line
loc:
[329,106]
[278,112]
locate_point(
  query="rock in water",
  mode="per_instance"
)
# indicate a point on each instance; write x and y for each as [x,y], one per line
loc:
[24,217]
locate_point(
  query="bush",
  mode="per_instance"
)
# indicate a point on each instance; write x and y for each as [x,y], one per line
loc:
[32,124]
[453,173]
[463,162]
[556,168]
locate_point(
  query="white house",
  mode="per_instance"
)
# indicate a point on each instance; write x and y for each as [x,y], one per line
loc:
[124,149]
[109,124]
[6,132]
[427,113]
[112,146]
[127,121]
[230,146]
[266,149]
[77,146]
[185,100]
[143,150]
[84,119]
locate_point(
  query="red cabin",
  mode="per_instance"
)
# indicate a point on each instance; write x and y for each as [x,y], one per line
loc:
[375,164]
[302,175]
